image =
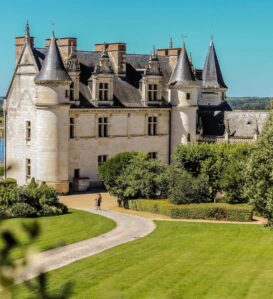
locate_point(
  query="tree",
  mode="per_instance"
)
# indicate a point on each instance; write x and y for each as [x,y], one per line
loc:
[134,175]
[259,173]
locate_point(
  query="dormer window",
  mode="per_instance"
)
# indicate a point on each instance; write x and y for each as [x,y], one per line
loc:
[103,91]
[152,92]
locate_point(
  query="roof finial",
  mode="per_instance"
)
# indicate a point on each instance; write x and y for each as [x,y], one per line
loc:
[27,32]
[184,40]
[171,42]
[211,39]
[53,28]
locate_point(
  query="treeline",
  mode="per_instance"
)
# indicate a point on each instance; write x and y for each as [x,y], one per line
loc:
[250,103]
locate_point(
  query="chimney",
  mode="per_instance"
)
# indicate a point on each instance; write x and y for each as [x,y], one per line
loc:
[117,53]
[173,54]
[67,45]
[19,45]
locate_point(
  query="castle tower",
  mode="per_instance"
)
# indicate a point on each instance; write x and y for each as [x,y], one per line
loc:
[52,123]
[184,94]
[214,87]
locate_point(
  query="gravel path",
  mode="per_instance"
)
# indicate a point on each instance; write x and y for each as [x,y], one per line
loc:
[129,228]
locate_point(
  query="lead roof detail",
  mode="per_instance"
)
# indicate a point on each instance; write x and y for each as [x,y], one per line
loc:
[182,73]
[212,75]
[53,69]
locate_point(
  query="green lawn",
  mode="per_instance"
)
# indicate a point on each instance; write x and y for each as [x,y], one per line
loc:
[60,230]
[178,260]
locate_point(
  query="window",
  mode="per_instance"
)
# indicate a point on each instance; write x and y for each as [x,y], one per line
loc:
[223,96]
[188,96]
[103,127]
[76,173]
[102,159]
[189,137]
[152,125]
[72,128]
[66,93]
[103,91]
[152,92]
[28,168]
[28,130]
[152,155]
[71,96]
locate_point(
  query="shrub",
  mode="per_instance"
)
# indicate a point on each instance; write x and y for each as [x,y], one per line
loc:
[29,201]
[212,211]
[22,209]
[47,210]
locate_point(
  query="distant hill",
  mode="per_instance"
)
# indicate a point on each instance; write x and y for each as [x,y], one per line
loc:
[250,103]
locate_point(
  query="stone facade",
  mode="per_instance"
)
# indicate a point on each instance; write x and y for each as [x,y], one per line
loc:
[68,111]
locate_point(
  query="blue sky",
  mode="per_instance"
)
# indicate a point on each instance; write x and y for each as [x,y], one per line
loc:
[243,32]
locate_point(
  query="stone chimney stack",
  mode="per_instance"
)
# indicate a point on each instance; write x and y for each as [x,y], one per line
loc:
[117,53]
[19,45]
[173,54]
[66,45]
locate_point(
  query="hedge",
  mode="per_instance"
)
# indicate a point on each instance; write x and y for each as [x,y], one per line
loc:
[213,211]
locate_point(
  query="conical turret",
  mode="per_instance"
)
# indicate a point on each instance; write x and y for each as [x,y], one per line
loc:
[212,75]
[182,73]
[53,70]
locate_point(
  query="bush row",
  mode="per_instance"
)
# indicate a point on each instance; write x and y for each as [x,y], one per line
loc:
[32,200]
[242,213]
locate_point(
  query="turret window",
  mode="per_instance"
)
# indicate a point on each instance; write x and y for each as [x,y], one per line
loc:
[72,127]
[71,96]
[103,91]
[152,125]
[28,168]
[152,92]
[28,130]
[103,127]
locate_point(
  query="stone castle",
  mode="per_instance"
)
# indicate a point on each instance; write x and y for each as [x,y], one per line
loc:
[68,111]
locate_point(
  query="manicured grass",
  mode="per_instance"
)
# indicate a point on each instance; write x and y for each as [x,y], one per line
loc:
[178,260]
[60,230]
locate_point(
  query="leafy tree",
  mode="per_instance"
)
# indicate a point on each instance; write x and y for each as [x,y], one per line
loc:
[259,173]
[134,175]
[184,188]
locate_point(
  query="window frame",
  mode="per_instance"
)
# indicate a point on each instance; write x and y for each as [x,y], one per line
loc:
[28,130]
[153,155]
[152,125]
[103,127]
[103,91]
[28,168]
[152,92]
[72,128]
[102,159]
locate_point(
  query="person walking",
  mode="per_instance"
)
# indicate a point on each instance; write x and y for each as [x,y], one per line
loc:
[98,201]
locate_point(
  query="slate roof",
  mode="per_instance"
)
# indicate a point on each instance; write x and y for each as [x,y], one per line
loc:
[182,73]
[242,124]
[126,89]
[53,68]
[212,75]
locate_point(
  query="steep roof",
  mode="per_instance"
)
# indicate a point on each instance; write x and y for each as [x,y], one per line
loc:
[53,68]
[212,75]
[183,72]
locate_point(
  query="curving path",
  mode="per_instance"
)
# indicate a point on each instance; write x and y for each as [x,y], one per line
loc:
[129,228]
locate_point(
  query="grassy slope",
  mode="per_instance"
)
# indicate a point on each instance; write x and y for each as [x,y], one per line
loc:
[178,260]
[61,230]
